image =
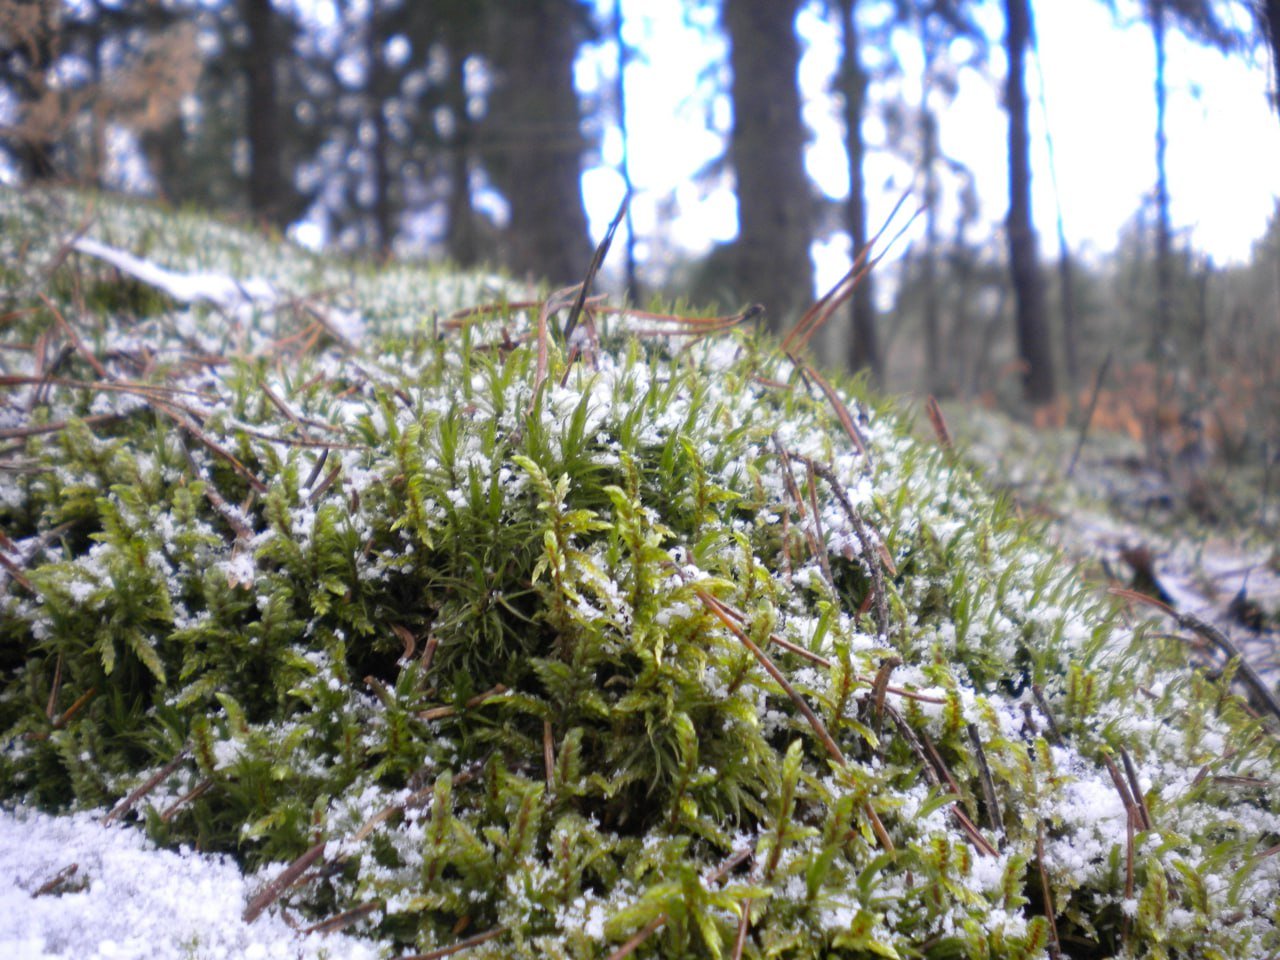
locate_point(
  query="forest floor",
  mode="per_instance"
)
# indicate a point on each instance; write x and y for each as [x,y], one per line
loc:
[1202,540]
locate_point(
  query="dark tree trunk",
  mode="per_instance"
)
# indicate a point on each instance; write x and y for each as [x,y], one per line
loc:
[267,186]
[1164,233]
[460,232]
[377,93]
[1024,263]
[1271,25]
[864,346]
[620,94]
[767,150]
[536,142]
[27,62]
[929,263]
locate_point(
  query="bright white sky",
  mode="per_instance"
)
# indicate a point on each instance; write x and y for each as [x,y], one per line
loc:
[1224,141]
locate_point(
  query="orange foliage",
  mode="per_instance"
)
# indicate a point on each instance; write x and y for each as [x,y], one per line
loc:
[1137,408]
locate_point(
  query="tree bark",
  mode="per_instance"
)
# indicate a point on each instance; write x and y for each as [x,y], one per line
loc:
[864,346]
[535,141]
[1024,263]
[267,186]
[767,150]
[1271,25]
[1164,233]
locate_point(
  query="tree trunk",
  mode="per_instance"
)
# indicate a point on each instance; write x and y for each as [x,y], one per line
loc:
[1271,26]
[1024,265]
[536,143]
[377,93]
[267,187]
[864,346]
[929,262]
[767,151]
[460,232]
[620,94]
[29,59]
[1164,233]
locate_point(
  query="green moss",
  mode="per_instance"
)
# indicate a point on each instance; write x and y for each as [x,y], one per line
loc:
[487,629]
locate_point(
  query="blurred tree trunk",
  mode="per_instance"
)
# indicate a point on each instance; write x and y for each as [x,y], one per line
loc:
[864,347]
[929,262]
[377,96]
[767,151]
[1164,233]
[1034,347]
[26,59]
[1271,26]
[535,139]
[461,239]
[267,186]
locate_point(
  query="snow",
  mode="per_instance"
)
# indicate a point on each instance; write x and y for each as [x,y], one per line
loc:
[127,899]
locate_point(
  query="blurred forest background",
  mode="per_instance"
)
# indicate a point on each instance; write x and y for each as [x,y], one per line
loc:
[460,130]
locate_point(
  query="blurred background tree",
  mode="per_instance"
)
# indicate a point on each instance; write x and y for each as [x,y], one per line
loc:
[485,131]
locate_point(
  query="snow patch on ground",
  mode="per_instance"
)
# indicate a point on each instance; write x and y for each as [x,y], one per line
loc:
[127,899]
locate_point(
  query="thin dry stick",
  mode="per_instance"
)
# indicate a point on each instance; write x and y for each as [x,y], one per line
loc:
[994,820]
[35,430]
[824,662]
[1038,693]
[1055,947]
[823,560]
[869,550]
[16,573]
[1213,635]
[273,890]
[57,880]
[54,687]
[816,550]
[1139,801]
[61,721]
[819,728]
[140,791]
[931,774]
[744,925]
[199,790]
[343,920]
[437,713]
[727,618]
[597,259]
[939,423]
[879,688]
[76,342]
[842,412]
[1088,416]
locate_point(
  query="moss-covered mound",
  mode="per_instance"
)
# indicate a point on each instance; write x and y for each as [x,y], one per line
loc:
[657,647]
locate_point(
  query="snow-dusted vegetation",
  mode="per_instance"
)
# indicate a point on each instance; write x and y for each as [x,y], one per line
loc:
[655,644]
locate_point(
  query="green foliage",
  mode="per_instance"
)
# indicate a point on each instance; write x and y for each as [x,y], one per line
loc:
[487,629]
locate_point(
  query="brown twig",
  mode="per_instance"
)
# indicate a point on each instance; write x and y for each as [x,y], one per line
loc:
[939,423]
[439,713]
[343,920]
[994,820]
[1088,416]
[276,888]
[869,549]
[1139,801]
[1215,636]
[194,793]
[147,785]
[1055,946]
[597,259]
[57,880]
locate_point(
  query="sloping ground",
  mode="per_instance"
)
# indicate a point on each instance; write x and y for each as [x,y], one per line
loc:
[1201,540]
[655,645]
